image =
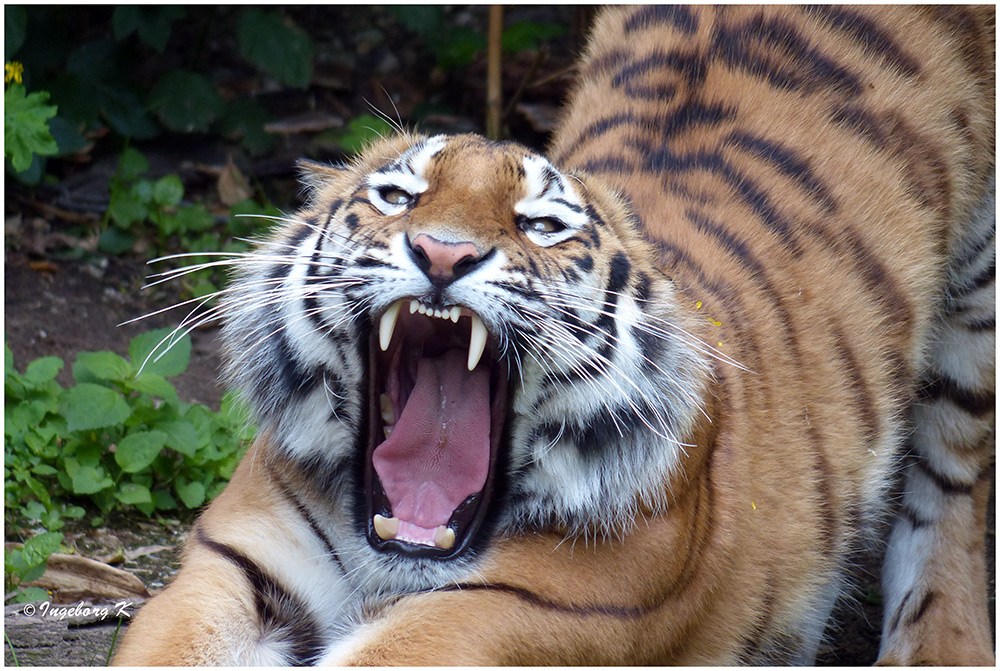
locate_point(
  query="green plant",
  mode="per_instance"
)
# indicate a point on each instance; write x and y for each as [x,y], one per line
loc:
[26,564]
[25,126]
[119,438]
[136,199]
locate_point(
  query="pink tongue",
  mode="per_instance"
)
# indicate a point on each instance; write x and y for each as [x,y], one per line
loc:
[439,452]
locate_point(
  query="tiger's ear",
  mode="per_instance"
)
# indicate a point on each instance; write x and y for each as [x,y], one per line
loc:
[315,175]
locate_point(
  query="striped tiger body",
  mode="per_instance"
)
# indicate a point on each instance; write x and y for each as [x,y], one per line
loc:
[637,402]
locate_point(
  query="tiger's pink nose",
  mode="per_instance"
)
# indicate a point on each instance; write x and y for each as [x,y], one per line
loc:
[444,260]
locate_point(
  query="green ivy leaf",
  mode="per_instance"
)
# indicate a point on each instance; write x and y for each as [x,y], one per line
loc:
[132,164]
[164,500]
[115,241]
[137,450]
[192,494]
[168,360]
[280,50]
[91,406]
[132,494]
[25,128]
[185,101]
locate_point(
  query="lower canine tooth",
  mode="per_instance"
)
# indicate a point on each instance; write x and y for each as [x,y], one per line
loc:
[444,537]
[386,527]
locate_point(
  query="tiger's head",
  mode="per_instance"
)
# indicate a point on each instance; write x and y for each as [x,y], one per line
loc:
[459,340]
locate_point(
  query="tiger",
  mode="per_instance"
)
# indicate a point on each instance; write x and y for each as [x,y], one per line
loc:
[641,400]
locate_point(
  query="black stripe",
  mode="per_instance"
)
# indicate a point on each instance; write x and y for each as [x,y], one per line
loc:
[982,325]
[307,516]
[298,382]
[913,518]
[620,612]
[921,609]
[774,50]
[651,16]
[288,247]
[976,403]
[864,400]
[943,482]
[277,608]
[899,613]
[787,162]
[984,278]
[873,40]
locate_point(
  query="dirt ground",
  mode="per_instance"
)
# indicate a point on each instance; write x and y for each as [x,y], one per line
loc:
[62,304]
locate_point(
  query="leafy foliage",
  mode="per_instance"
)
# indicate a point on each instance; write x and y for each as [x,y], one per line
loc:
[25,128]
[27,563]
[120,437]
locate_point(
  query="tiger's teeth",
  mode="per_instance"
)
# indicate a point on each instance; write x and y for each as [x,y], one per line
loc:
[386,527]
[387,324]
[477,342]
[387,431]
[413,306]
[388,415]
[456,312]
[444,537]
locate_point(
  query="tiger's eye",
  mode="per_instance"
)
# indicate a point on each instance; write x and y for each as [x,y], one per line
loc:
[395,196]
[545,225]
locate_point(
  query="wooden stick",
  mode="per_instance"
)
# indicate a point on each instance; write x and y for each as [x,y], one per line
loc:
[494,91]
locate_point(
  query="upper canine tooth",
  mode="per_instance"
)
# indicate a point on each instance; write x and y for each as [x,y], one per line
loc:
[444,537]
[477,341]
[387,324]
[386,527]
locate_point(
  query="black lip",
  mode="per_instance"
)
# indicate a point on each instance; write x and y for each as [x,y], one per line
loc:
[474,514]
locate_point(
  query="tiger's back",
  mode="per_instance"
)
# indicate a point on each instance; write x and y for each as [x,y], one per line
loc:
[818,181]
[758,271]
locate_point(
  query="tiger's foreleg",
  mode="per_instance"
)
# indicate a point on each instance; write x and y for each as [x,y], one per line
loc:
[935,574]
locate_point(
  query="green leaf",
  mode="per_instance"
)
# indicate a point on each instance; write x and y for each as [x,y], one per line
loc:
[115,241]
[427,21]
[280,50]
[126,114]
[66,135]
[192,494]
[91,406]
[168,191]
[90,480]
[25,127]
[244,119]
[33,510]
[157,385]
[457,47]
[190,219]
[124,21]
[523,35]
[164,500]
[132,493]
[31,594]
[362,130]
[42,370]
[38,548]
[181,436]
[169,359]
[43,469]
[137,450]
[185,101]
[74,512]
[154,29]
[132,164]
[127,207]
[101,366]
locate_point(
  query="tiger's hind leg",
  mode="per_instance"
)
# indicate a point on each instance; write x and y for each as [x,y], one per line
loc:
[934,577]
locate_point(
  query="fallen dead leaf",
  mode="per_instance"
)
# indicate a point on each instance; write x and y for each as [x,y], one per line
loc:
[233,185]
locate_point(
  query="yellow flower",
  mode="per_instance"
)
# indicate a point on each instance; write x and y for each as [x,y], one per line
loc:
[12,72]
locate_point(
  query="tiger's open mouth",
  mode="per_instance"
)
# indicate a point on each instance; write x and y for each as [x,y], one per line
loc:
[437,403]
